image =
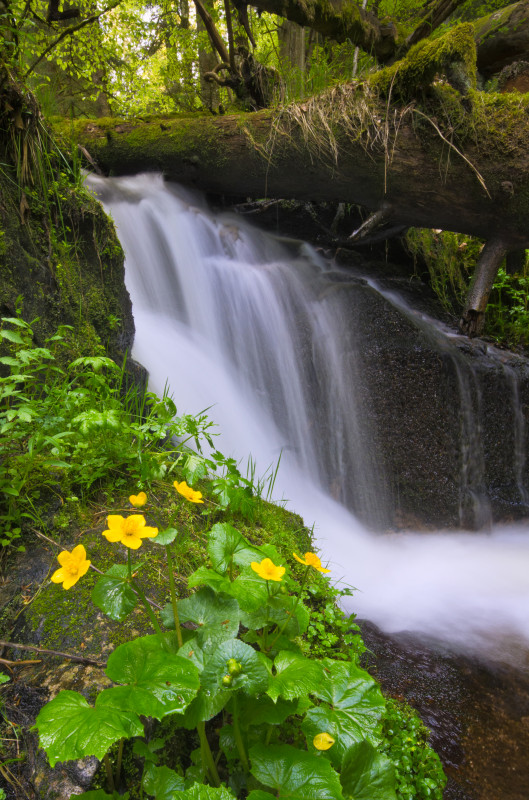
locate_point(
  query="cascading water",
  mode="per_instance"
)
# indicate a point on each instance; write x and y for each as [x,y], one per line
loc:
[235,321]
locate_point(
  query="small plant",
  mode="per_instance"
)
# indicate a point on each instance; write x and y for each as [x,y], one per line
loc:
[228,663]
[507,317]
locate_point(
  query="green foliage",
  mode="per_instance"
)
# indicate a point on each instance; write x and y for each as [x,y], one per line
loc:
[267,701]
[405,741]
[450,259]
[507,316]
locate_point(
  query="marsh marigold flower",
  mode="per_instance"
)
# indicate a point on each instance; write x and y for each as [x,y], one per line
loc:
[187,492]
[128,530]
[138,500]
[268,570]
[73,566]
[311,560]
[323,741]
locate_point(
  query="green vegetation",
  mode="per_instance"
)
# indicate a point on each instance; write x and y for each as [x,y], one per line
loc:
[263,649]
[229,664]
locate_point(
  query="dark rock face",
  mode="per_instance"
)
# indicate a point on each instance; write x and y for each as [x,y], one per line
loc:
[477,712]
[450,416]
[66,264]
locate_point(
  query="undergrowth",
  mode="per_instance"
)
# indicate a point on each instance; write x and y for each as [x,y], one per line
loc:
[78,433]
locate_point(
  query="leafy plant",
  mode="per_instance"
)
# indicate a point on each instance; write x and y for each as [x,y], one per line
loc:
[507,317]
[228,663]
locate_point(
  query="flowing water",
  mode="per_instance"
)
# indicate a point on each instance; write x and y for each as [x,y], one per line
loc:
[250,327]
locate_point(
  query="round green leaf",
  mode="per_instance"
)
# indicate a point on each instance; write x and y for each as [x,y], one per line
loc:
[351,708]
[298,775]
[253,677]
[295,676]
[165,537]
[226,545]
[69,728]
[367,774]
[215,614]
[147,668]
[113,594]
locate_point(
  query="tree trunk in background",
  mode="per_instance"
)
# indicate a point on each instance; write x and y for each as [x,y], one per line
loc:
[291,38]
[207,59]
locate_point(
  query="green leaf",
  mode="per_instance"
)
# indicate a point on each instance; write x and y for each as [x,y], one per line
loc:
[351,708]
[69,728]
[204,707]
[13,336]
[253,677]
[215,614]
[113,594]
[162,782]
[295,676]
[295,773]
[209,577]
[200,792]
[100,794]
[255,711]
[249,590]
[367,774]
[165,537]
[227,544]
[194,468]
[9,361]
[159,683]
[258,794]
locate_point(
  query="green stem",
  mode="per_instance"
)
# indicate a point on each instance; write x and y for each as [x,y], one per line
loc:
[173,596]
[290,613]
[150,612]
[108,769]
[237,733]
[129,563]
[206,750]
[118,763]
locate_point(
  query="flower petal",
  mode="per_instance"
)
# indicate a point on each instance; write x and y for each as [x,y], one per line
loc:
[115,521]
[113,536]
[58,576]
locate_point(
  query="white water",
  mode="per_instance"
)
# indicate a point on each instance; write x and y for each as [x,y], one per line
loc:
[232,320]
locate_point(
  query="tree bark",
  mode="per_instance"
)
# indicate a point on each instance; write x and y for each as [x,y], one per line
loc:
[473,317]
[502,38]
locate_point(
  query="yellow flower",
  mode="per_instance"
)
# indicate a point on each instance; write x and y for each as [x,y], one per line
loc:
[138,500]
[73,566]
[128,530]
[187,492]
[322,741]
[268,570]
[311,560]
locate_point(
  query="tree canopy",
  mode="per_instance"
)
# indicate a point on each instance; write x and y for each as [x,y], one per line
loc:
[417,65]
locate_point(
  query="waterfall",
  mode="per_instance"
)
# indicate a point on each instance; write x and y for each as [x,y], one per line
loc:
[252,328]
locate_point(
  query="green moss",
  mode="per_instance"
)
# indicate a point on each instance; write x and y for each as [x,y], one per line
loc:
[417,70]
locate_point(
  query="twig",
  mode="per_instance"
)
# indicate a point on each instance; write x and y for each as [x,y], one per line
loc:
[82,659]
[8,663]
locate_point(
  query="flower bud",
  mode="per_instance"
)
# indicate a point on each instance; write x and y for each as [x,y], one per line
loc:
[234,667]
[227,681]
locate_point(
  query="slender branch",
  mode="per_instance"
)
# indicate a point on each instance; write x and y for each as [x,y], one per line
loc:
[68,32]
[44,651]
[229,28]
[213,33]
